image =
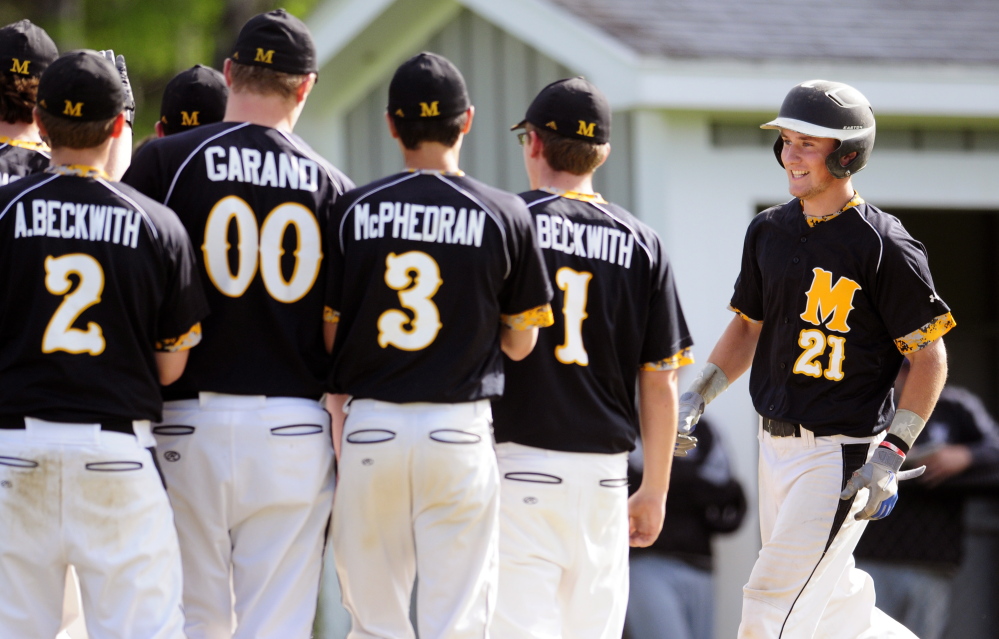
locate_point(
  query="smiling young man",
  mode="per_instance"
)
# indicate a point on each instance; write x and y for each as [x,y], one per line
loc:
[832,296]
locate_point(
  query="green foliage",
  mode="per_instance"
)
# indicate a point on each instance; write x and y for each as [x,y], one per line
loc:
[159,38]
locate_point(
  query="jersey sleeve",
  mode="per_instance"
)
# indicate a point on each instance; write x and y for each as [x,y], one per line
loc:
[909,306]
[527,291]
[667,341]
[146,173]
[747,300]
[184,303]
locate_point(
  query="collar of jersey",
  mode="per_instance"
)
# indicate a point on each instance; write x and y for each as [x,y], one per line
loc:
[813,221]
[457,173]
[78,170]
[25,144]
[575,195]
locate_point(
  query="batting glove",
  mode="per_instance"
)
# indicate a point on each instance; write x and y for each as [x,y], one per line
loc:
[689,412]
[119,64]
[880,476]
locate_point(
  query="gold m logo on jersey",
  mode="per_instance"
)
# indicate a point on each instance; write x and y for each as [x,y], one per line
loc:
[825,300]
[74,109]
[430,110]
[189,119]
[267,57]
[20,67]
[586,128]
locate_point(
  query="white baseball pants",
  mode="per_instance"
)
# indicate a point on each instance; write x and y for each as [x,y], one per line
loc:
[74,494]
[563,544]
[804,583]
[251,483]
[417,493]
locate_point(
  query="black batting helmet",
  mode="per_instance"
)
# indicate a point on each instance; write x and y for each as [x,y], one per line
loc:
[825,109]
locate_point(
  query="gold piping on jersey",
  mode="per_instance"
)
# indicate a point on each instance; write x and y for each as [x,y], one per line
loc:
[920,338]
[78,170]
[26,144]
[743,315]
[458,173]
[541,317]
[596,198]
[330,316]
[815,221]
[671,363]
[188,340]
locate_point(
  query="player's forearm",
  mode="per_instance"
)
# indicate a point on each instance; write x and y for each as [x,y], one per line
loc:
[170,366]
[736,347]
[518,344]
[657,401]
[121,154]
[927,375]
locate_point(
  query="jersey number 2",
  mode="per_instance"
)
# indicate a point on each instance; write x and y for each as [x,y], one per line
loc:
[60,334]
[417,277]
[267,242]
[814,343]
[576,286]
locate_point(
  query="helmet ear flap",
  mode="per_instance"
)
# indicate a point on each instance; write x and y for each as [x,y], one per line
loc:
[778,147]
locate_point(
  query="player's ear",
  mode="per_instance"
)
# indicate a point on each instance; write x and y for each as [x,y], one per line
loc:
[159,129]
[119,125]
[468,123]
[391,125]
[846,159]
[38,123]
[305,87]
[227,72]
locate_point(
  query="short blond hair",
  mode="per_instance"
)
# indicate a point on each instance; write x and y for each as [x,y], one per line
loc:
[65,133]
[571,156]
[254,79]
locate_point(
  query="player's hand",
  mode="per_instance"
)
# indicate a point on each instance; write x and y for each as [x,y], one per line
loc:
[646,510]
[944,463]
[119,64]
[689,411]
[684,444]
[880,476]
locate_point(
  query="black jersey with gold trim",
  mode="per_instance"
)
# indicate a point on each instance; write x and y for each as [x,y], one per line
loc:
[423,265]
[19,158]
[256,202]
[616,312]
[93,275]
[841,302]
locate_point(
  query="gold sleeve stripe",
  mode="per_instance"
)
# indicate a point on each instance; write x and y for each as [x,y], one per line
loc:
[188,340]
[743,315]
[330,316]
[920,338]
[682,358]
[540,316]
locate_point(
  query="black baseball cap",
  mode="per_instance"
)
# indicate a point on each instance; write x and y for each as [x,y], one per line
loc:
[83,86]
[427,86]
[276,40]
[193,97]
[25,49]
[574,108]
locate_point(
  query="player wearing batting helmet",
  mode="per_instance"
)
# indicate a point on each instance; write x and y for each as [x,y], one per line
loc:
[433,274]
[99,302]
[244,440]
[25,52]
[832,295]
[569,416]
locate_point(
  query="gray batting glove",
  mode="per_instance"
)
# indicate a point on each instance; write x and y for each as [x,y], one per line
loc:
[684,444]
[880,476]
[119,64]
[689,412]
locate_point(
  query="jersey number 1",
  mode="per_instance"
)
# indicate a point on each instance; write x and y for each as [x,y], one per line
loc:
[60,334]
[576,286]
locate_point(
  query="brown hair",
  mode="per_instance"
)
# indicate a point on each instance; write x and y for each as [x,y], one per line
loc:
[412,133]
[17,98]
[254,79]
[569,155]
[62,132]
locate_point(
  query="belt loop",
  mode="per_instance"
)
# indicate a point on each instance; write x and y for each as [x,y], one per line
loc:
[808,436]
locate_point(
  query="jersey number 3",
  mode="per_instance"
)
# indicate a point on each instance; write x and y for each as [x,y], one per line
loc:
[60,334]
[417,277]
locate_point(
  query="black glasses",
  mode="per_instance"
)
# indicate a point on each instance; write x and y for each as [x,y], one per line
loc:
[522,138]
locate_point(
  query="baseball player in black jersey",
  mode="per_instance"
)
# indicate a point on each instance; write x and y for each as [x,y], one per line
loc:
[432,275]
[832,295]
[25,52]
[99,302]
[244,439]
[194,97]
[569,414]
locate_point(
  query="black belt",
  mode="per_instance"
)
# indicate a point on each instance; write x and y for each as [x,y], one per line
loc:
[777,428]
[116,425]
